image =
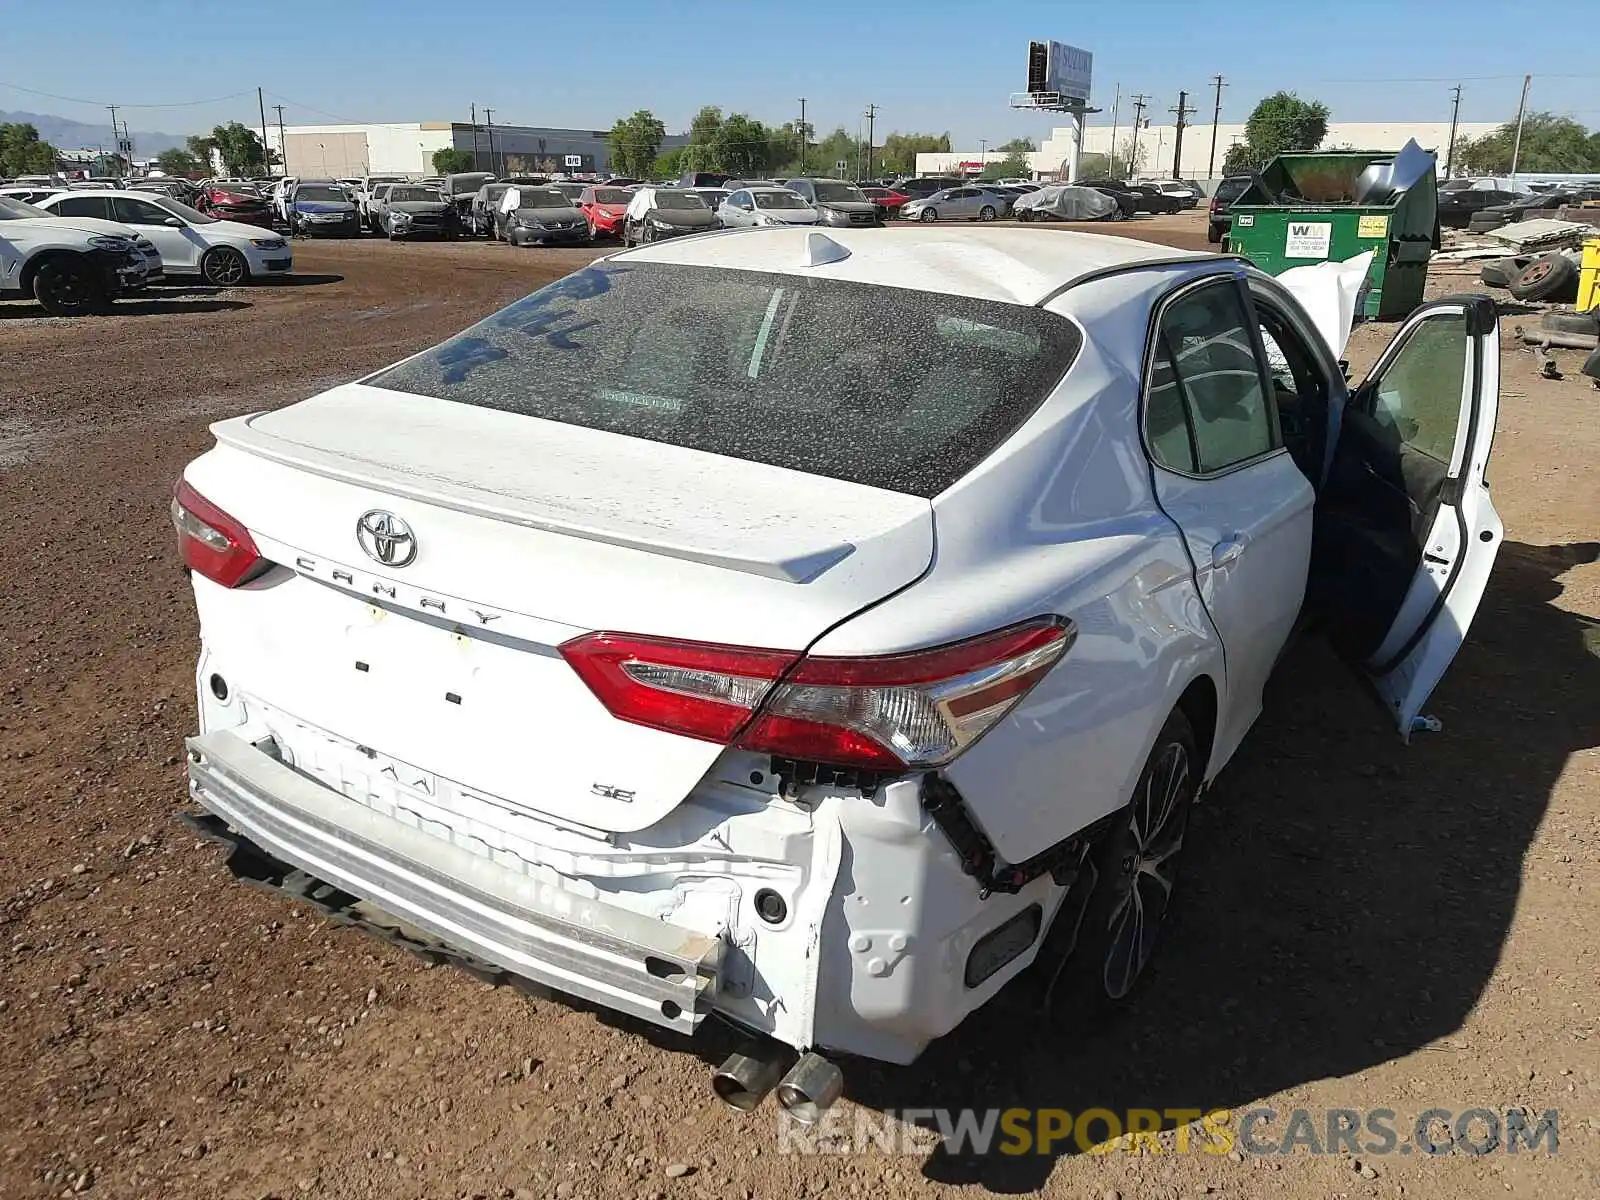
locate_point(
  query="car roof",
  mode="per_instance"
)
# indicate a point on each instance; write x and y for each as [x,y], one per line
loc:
[1015,266]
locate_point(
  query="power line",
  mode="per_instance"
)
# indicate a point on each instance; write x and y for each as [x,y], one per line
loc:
[17,87]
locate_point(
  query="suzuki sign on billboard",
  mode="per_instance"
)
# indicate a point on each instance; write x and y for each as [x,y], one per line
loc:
[1064,70]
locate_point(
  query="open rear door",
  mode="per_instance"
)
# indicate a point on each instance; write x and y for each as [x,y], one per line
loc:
[1436,392]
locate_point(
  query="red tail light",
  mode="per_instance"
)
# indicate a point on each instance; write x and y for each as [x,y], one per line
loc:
[888,713]
[212,542]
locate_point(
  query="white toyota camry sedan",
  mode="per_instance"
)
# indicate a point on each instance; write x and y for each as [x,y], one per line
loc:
[815,630]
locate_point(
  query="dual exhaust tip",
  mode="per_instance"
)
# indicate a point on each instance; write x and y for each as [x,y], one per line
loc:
[806,1091]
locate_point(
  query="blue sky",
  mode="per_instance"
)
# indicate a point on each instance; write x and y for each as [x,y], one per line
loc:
[929,66]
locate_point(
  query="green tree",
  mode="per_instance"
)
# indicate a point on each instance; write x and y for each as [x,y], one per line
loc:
[668,165]
[1019,145]
[447,160]
[1282,123]
[634,141]
[703,153]
[179,162]
[243,155]
[204,149]
[1012,166]
[898,155]
[22,152]
[1549,143]
[743,146]
[840,146]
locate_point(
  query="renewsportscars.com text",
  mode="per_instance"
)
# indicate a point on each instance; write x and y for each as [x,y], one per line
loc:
[1254,1131]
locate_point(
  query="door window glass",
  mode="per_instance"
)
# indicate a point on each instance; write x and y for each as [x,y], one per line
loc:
[139,212]
[1419,394]
[83,206]
[1212,358]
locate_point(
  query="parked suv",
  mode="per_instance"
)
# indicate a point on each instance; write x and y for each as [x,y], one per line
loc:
[72,270]
[1229,190]
[836,202]
[923,186]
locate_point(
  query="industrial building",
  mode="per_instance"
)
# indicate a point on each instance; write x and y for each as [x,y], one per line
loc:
[335,151]
[1158,142]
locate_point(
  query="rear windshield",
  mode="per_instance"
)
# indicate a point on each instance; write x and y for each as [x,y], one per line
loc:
[679,200]
[894,388]
[320,193]
[1230,189]
[612,195]
[413,195]
[779,200]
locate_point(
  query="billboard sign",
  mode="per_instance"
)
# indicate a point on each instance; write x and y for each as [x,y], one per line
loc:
[1066,71]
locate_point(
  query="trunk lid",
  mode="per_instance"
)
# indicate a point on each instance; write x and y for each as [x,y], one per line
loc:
[526,533]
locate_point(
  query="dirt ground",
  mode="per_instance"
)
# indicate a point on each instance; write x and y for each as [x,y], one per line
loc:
[1362,924]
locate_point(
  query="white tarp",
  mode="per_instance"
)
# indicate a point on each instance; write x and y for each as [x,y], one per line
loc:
[1329,293]
[1067,202]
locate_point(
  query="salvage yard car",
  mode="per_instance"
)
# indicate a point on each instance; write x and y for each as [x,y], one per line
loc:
[749,207]
[72,268]
[222,253]
[836,202]
[604,208]
[657,213]
[805,628]
[322,208]
[403,210]
[541,216]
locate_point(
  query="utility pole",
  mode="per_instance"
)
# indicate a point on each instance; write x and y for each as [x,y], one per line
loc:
[802,135]
[1184,112]
[283,141]
[1522,111]
[474,111]
[1216,120]
[872,121]
[488,120]
[127,139]
[1111,150]
[1140,103]
[266,156]
[1455,112]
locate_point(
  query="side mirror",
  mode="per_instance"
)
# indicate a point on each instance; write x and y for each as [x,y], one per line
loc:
[174,222]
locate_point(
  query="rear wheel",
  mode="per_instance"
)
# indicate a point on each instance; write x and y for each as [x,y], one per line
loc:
[65,287]
[223,266]
[986,213]
[1135,870]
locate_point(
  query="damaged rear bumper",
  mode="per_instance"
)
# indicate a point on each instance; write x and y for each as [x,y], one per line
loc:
[651,969]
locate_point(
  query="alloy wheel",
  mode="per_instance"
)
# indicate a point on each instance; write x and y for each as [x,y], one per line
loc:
[1148,870]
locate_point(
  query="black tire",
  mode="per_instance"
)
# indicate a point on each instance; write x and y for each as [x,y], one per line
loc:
[1214,233]
[223,266]
[1135,871]
[986,213]
[928,214]
[647,235]
[65,287]
[1025,215]
[1500,272]
[1549,277]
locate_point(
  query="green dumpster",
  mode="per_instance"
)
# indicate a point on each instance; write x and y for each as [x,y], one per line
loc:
[1332,205]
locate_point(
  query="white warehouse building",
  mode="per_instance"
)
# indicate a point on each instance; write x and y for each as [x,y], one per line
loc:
[407,148]
[1157,142]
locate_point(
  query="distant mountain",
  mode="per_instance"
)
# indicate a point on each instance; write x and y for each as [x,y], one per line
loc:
[66,134]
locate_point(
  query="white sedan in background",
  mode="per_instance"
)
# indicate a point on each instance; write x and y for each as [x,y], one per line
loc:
[751,206]
[931,579]
[223,253]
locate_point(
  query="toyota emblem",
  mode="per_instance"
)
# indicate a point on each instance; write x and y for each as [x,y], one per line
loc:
[386,538]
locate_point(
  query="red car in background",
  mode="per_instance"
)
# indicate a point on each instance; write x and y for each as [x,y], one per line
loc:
[234,204]
[887,200]
[604,207]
